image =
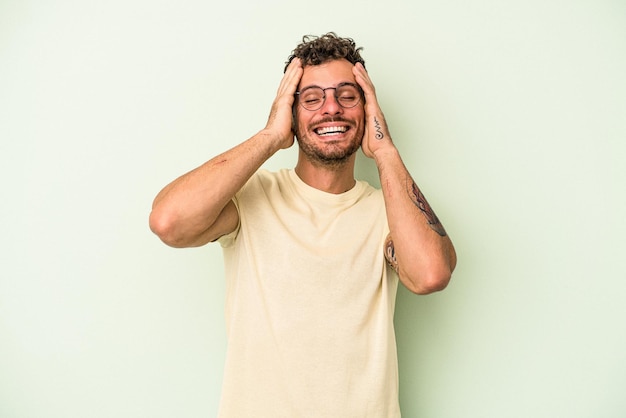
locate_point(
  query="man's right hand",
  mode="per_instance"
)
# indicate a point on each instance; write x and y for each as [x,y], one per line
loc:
[280,122]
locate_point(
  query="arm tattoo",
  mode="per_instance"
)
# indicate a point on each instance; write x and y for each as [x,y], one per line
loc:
[420,201]
[379,133]
[390,254]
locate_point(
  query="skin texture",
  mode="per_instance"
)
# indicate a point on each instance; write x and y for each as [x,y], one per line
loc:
[417,247]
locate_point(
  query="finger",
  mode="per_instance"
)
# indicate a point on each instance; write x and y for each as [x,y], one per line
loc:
[362,77]
[292,77]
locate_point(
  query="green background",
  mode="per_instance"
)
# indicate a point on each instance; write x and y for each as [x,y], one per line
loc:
[510,115]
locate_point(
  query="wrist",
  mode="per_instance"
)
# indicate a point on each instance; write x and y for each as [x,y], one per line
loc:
[274,141]
[384,151]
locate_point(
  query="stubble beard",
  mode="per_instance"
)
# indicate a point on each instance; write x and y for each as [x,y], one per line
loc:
[329,154]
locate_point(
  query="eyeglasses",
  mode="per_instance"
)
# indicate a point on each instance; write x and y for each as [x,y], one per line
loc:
[313,98]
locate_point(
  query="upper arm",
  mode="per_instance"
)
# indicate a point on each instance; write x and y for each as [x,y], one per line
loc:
[420,284]
[226,222]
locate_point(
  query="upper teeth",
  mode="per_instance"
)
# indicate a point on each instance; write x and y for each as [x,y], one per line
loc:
[331,129]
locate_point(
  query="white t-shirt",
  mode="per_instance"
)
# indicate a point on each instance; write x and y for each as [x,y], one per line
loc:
[309,303]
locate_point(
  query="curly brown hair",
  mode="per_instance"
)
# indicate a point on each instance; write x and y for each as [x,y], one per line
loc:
[316,50]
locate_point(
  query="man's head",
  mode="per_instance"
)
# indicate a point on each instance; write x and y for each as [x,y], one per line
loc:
[330,129]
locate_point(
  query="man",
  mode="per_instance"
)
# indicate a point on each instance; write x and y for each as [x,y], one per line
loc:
[312,255]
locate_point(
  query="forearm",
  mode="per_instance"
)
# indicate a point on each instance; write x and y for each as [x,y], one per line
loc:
[423,254]
[185,210]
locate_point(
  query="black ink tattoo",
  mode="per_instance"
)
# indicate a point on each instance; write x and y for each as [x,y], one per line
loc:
[379,133]
[421,202]
[390,254]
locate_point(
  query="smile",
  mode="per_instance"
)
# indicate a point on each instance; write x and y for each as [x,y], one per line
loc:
[331,130]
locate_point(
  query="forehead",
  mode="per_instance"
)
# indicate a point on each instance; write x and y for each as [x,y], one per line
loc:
[327,74]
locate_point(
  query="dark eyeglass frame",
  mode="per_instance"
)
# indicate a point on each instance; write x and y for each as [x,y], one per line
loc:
[340,85]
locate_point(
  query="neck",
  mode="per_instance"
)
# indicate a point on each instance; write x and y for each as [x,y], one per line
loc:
[329,178]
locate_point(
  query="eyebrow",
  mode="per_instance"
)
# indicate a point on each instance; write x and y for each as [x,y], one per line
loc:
[309,86]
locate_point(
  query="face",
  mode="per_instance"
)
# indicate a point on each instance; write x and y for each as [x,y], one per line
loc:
[331,134]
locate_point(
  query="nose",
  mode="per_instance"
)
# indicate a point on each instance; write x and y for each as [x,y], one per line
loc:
[331,106]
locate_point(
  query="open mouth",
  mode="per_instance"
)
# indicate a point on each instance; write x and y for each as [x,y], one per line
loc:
[331,130]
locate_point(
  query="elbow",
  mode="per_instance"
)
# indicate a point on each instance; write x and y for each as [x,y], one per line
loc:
[427,282]
[427,274]
[163,226]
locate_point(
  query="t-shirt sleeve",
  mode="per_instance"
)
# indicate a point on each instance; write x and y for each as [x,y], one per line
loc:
[229,239]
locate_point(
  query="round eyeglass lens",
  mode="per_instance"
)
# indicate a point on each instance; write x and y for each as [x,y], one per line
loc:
[347,95]
[313,98]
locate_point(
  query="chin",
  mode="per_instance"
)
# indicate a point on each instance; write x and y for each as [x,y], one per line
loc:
[329,157]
